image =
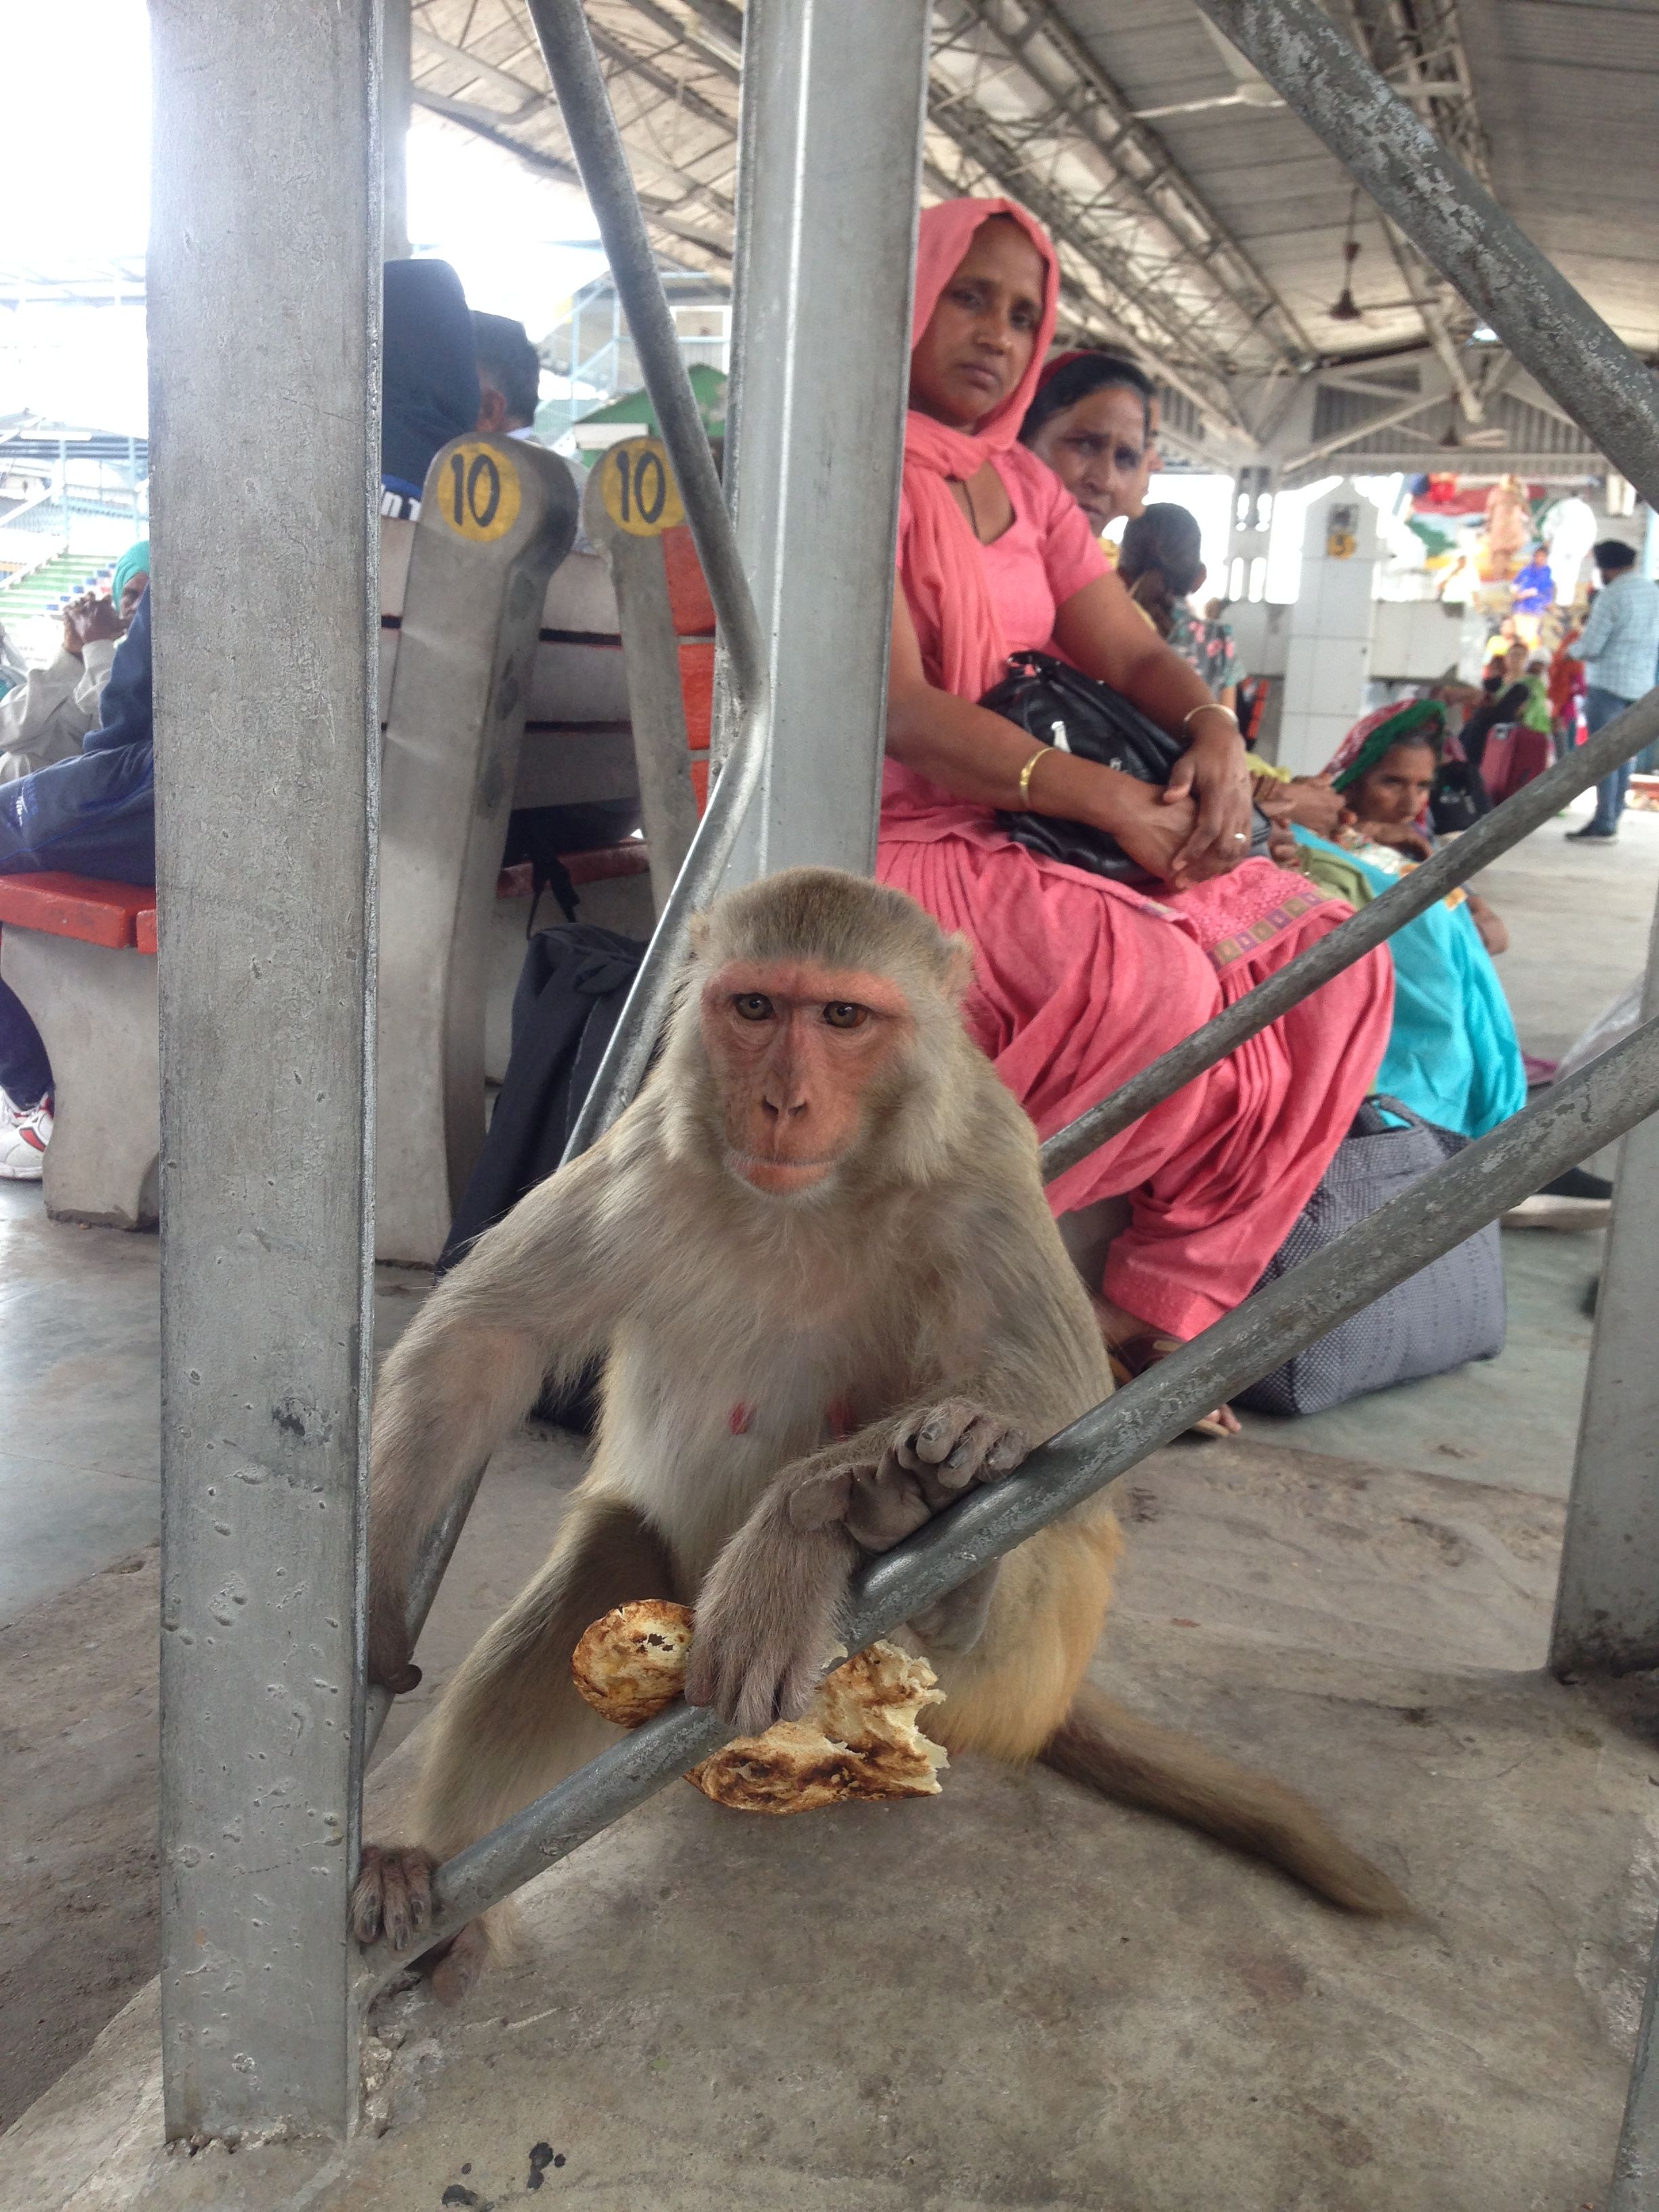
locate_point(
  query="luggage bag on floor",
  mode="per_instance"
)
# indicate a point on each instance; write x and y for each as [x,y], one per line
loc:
[1448,1314]
[569,1000]
[570,996]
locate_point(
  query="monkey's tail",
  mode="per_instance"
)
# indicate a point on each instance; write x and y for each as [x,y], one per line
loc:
[1109,1748]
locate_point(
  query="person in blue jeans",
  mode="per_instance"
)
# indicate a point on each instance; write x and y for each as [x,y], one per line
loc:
[91,815]
[1619,646]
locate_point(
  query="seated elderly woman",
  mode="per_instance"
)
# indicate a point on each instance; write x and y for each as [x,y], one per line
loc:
[1453,1054]
[1383,771]
[1081,981]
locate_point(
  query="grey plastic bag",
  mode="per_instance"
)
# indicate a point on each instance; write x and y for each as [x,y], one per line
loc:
[1451,1312]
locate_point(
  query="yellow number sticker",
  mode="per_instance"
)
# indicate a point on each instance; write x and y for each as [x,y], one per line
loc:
[478,491]
[638,487]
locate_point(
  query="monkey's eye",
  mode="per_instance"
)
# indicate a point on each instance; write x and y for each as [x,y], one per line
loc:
[753,1006]
[842,1014]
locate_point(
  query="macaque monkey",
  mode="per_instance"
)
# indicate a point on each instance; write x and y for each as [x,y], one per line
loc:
[815,1255]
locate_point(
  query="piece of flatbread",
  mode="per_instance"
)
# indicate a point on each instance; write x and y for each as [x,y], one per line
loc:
[859,1738]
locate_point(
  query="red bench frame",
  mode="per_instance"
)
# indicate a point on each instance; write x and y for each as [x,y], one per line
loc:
[119,915]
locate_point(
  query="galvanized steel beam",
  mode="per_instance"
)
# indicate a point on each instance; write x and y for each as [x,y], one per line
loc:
[827,183]
[1455,223]
[264,296]
[1607,1602]
[1590,1110]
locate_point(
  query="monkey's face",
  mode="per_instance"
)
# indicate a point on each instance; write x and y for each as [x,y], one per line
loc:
[799,1053]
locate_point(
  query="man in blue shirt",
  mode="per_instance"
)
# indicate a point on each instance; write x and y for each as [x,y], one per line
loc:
[1619,646]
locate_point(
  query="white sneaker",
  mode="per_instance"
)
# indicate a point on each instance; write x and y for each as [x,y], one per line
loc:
[24,1136]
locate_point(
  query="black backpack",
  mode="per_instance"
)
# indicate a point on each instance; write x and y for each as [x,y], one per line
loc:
[1459,798]
[570,996]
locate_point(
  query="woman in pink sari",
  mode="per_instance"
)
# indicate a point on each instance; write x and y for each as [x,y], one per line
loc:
[1080,982]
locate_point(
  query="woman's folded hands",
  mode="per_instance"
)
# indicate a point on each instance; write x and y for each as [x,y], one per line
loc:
[1213,772]
[1196,827]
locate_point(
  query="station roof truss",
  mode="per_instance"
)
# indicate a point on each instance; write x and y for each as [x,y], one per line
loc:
[1197,218]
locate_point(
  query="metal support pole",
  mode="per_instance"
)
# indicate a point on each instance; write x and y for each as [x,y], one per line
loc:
[1455,223]
[1594,1106]
[395,57]
[1506,825]
[828,182]
[263,305]
[1607,1602]
[572,66]
[1635,2167]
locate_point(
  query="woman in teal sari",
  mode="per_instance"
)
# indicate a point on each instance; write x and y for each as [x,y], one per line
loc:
[1453,1054]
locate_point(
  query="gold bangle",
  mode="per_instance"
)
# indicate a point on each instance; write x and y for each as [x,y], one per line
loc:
[1025,776]
[1208,706]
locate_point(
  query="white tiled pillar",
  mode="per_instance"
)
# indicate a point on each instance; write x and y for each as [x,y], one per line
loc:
[1329,657]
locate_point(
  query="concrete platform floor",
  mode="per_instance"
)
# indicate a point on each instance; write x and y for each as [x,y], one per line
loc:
[1356,1602]
[1015,1995]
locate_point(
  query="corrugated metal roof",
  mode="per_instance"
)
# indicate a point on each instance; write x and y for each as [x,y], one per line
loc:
[1196,216]
[1568,91]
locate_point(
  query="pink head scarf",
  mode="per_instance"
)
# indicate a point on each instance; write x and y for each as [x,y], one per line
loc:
[939,562]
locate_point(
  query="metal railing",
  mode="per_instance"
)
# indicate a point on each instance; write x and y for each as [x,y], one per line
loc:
[568,50]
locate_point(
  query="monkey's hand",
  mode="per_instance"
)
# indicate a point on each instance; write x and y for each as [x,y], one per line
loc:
[766,1617]
[930,1459]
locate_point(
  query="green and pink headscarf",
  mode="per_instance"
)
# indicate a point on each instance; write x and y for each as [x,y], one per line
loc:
[1417,721]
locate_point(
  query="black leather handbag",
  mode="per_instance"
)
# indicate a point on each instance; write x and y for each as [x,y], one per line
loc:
[1061,707]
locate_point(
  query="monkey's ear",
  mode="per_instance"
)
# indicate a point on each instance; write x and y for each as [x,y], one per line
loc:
[958,969]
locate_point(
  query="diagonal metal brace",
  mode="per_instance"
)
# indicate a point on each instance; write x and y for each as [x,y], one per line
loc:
[566,44]
[1591,1109]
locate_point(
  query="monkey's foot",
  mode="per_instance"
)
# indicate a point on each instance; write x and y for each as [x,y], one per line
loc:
[393,1895]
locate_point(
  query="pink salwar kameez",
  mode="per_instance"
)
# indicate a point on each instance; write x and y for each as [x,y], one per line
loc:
[1078,982]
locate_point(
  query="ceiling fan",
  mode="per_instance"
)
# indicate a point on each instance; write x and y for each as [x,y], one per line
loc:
[1347,309]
